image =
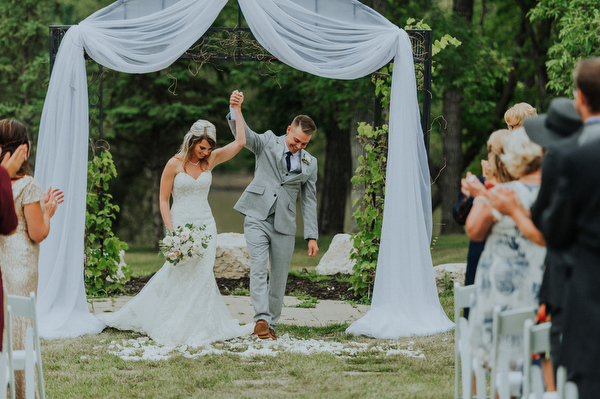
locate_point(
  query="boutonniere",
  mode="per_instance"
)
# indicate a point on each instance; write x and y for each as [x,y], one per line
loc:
[306,158]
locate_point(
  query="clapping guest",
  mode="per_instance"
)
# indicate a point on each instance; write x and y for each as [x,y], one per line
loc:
[19,252]
[557,131]
[460,212]
[510,269]
[8,216]
[471,187]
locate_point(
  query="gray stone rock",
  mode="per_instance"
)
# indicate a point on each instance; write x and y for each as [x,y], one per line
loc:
[337,258]
[120,275]
[452,272]
[232,259]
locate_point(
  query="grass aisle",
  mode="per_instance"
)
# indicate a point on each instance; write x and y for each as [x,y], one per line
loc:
[84,367]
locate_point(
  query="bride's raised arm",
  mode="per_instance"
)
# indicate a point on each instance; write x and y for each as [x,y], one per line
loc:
[166,186]
[221,155]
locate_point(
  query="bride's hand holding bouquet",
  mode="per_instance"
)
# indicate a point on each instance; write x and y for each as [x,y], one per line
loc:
[184,243]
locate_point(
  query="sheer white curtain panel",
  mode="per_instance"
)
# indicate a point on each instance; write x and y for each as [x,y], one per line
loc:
[135,36]
[344,39]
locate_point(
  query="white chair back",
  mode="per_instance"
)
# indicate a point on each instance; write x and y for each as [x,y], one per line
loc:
[31,357]
[464,363]
[7,376]
[507,322]
[536,339]
[566,389]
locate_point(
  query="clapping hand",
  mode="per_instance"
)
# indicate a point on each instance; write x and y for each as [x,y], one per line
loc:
[236,99]
[12,162]
[486,169]
[504,199]
[471,186]
[51,200]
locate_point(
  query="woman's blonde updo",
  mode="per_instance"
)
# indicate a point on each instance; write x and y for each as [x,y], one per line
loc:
[521,155]
[200,130]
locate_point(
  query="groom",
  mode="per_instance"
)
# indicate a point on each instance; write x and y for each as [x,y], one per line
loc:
[283,169]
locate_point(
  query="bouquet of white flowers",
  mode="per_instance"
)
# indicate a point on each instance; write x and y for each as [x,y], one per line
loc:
[184,243]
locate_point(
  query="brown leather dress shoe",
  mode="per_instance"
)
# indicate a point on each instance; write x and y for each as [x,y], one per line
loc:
[272,334]
[262,329]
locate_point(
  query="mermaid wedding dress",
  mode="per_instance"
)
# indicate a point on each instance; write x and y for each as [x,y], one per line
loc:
[182,304]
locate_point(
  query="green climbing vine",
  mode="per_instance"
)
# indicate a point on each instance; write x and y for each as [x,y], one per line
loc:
[102,247]
[369,215]
[370,174]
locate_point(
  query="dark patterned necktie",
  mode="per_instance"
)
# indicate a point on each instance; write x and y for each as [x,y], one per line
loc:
[288,161]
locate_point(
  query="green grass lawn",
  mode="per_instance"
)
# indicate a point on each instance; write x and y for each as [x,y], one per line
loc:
[144,260]
[82,367]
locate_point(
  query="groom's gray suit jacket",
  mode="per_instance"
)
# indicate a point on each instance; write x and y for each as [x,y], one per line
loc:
[274,188]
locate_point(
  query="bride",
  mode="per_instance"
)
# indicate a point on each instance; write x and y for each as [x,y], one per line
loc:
[182,304]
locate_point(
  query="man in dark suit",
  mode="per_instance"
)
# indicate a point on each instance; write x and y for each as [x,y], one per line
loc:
[570,223]
[555,131]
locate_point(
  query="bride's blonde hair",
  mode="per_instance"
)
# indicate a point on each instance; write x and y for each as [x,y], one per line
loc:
[200,130]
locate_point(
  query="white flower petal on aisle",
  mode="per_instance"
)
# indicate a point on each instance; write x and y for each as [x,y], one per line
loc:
[143,348]
[338,39]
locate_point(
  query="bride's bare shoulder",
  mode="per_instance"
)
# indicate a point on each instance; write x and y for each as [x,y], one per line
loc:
[174,165]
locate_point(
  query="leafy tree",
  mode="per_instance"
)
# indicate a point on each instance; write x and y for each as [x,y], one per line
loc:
[500,62]
[575,30]
[147,119]
[24,59]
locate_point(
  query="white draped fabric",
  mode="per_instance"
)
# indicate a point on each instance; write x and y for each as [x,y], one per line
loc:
[130,36]
[340,39]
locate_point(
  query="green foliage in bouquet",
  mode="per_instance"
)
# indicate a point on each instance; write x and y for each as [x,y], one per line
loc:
[102,248]
[184,243]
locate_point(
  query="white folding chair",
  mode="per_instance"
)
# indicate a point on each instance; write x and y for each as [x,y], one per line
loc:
[31,357]
[536,339]
[566,389]
[7,376]
[507,322]
[464,363]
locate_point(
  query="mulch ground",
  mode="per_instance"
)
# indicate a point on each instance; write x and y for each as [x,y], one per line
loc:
[324,290]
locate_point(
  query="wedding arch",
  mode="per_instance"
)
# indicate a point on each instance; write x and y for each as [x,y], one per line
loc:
[339,39]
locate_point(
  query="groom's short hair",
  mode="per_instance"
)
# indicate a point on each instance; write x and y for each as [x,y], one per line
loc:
[306,124]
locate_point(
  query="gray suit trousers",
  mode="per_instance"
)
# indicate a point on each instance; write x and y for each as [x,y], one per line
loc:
[265,244]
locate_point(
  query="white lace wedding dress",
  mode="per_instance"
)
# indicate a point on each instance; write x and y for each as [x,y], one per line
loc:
[182,304]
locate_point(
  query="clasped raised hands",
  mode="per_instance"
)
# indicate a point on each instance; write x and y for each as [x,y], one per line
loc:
[236,99]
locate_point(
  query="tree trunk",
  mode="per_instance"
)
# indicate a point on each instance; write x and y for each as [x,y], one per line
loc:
[336,182]
[452,143]
[379,5]
[452,138]
[464,9]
